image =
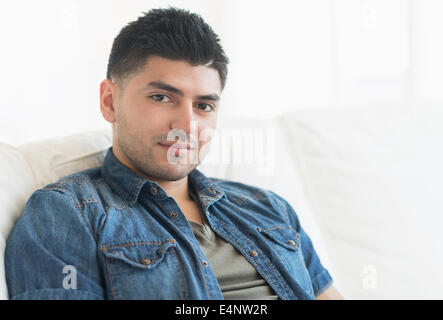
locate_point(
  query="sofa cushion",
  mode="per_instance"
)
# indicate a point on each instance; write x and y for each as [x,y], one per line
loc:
[374,178]
[54,158]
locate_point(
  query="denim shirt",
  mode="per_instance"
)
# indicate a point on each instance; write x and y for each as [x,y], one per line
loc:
[108,233]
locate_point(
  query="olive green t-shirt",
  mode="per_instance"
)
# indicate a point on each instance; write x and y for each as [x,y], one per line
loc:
[238,279]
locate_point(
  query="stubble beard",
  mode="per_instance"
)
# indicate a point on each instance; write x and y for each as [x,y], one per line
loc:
[142,156]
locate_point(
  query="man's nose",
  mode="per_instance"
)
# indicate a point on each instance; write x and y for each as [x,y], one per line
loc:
[183,118]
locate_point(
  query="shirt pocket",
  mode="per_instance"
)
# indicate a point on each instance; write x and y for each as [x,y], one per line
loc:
[286,243]
[145,270]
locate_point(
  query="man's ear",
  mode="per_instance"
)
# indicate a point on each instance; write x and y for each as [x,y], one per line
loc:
[108,97]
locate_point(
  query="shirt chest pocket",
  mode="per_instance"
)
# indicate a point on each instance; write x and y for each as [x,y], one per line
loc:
[144,270]
[286,243]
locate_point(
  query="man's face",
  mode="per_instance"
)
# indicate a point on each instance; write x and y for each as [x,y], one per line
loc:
[166,101]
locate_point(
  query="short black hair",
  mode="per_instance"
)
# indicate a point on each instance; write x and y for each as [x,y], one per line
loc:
[170,33]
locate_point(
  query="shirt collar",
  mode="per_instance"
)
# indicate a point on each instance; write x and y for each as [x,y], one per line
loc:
[129,184]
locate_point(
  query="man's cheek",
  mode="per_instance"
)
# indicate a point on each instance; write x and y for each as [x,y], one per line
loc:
[204,140]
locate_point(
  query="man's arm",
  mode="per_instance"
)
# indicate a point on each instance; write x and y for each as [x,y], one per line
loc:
[51,252]
[330,294]
[320,277]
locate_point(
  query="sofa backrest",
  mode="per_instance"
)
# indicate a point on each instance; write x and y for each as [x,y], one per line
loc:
[16,185]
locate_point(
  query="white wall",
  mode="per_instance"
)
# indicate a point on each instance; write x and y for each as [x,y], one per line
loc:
[53,58]
[427,51]
[285,55]
[281,56]
[325,53]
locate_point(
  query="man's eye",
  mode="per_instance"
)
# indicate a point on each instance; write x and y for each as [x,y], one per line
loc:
[160,98]
[205,107]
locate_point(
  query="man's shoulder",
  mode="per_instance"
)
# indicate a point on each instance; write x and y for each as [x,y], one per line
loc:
[258,200]
[81,185]
[237,189]
[61,202]
[236,186]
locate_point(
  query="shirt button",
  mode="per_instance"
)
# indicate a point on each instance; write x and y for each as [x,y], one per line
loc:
[291,242]
[146,261]
[154,191]
[205,263]
[253,253]
[174,214]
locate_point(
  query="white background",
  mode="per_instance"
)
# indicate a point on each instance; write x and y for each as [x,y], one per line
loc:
[285,55]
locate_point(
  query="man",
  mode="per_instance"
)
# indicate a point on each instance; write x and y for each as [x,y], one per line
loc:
[148,224]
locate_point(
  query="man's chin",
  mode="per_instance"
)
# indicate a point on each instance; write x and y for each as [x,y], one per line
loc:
[172,172]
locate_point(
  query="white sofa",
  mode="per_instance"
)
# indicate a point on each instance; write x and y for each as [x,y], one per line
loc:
[366,182]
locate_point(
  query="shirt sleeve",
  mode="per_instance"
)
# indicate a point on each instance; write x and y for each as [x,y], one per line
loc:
[320,277]
[51,252]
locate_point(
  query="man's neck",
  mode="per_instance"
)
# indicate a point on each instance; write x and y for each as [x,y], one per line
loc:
[176,189]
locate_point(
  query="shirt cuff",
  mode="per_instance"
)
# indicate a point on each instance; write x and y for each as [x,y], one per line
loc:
[321,282]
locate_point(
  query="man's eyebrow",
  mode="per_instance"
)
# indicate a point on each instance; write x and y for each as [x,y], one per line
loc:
[164,86]
[211,97]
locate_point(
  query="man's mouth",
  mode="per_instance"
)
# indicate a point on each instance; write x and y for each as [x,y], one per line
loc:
[176,145]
